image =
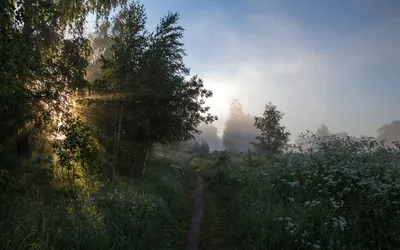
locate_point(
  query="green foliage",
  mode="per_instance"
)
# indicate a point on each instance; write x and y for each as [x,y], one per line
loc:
[195,147]
[78,149]
[144,88]
[7,183]
[273,138]
[154,101]
[219,159]
[252,159]
[100,42]
[222,160]
[151,66]
[340,196]
[146,214]
[40,68]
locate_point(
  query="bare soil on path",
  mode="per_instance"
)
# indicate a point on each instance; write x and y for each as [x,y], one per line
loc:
[196,222]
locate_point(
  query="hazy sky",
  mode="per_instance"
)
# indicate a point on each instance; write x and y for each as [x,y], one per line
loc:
[334,62]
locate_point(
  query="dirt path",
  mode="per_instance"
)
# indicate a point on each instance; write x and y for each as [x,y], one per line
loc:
[195,224]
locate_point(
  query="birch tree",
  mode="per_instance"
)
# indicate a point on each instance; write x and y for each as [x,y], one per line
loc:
[162,102]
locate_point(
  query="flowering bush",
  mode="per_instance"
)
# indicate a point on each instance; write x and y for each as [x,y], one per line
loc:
[343,194]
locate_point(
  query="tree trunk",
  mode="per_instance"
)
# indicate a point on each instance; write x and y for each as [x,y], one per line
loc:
[114,157]
[145,161]
[133,170]
[120,121]
[117,134]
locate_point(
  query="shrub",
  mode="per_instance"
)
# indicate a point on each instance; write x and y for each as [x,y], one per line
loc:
[342,196]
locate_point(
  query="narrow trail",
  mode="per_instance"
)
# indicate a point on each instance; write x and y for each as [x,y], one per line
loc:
[195,224]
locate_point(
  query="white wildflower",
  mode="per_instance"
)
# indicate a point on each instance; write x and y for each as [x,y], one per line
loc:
[316,246]
[294,183]
[315,203]
[342,223]
[291,227]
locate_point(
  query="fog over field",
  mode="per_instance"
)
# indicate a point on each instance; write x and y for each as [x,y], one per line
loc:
[334,63]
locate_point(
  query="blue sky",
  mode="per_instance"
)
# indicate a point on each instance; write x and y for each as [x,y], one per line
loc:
[335,62]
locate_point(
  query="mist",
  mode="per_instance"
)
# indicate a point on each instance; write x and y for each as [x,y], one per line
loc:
[342,72]
[318,65]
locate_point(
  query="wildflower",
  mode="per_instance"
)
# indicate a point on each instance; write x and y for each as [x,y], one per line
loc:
[340,222]
[346,190]
[294,183]
[304,234]
[291,227]
[315,203]
[316,246]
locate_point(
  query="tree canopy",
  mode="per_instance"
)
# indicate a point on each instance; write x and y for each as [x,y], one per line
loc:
[140,90]
[43,54]
[273,138]
[156,99]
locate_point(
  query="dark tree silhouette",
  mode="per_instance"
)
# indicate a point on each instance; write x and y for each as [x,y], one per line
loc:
[273,138]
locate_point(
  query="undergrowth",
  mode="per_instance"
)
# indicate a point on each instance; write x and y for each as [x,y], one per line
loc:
[150,213]
[343,196]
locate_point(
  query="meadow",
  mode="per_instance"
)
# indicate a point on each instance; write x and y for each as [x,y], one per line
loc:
[342,195]
[345,195]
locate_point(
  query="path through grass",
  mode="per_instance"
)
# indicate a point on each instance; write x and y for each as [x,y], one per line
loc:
[209,227]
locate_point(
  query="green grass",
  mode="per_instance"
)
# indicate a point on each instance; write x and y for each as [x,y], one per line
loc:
[150,213]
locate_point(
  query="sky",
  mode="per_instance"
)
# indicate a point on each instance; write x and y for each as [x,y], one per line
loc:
[330,62]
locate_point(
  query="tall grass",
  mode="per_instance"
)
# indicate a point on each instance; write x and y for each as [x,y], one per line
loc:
[145,214]
[343,196]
